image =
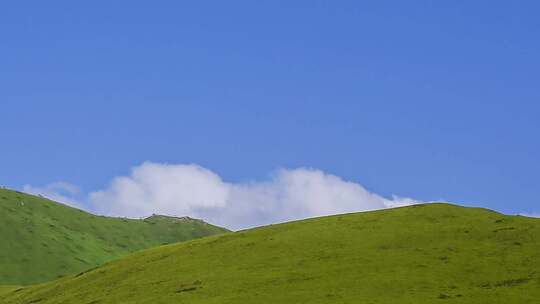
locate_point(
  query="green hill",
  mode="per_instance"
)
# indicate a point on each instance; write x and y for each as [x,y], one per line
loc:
[435,253]
[42,240]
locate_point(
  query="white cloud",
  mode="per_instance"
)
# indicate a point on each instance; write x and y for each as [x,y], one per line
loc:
[163,189]
[534,214]
[180,190]
[198,192]
[59,191]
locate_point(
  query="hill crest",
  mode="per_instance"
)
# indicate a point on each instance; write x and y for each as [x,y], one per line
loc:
[45,240]
[416,254]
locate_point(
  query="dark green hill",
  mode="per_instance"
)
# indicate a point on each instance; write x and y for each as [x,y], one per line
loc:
[43,240]
[435,253]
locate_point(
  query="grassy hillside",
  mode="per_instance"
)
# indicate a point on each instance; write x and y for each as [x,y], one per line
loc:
[6,289]
[41,240]
[434,253]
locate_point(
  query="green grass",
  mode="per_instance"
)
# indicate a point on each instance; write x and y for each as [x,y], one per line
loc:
[42,240]
[435,253]
[7,289]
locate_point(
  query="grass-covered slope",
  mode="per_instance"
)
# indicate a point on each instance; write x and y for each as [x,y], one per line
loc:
[434,253]
[6,289]
[42,240]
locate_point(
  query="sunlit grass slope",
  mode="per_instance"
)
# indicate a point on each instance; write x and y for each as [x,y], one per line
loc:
[7,289]
[435,253]
[41,240]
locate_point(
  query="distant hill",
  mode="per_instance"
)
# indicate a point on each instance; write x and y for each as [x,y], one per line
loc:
[41,240]
[434,253]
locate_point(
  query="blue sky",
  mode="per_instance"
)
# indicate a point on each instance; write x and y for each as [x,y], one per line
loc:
[428,100]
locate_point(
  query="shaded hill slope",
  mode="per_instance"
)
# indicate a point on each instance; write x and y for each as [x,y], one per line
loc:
[435,253]
[43,240]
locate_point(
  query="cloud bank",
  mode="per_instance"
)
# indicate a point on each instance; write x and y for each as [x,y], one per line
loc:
[534,214]
[191,190]
[59,191]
